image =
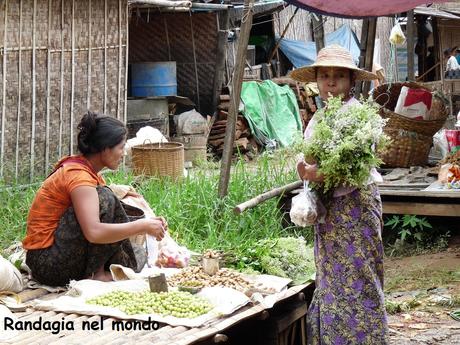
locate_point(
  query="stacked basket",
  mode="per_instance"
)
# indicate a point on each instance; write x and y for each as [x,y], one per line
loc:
[159,159]
[411,139]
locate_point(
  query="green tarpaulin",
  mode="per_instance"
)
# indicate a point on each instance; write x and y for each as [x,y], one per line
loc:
[272,112]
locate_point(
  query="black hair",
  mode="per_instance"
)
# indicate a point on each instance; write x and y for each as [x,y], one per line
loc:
[447,51]
[99,132]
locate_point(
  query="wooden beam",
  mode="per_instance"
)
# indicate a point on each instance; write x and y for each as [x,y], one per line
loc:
[32,139]
[421,209]
[318,31]
[410,45]
[267,195]
[223,23]
[237,79]
[18,115]
[369,57]
[362,52]
[2,144]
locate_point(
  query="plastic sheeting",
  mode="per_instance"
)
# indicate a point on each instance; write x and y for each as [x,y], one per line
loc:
[359,8]
[272,113]
[302,53]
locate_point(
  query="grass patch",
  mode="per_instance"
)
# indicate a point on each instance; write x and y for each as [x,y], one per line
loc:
[419,279]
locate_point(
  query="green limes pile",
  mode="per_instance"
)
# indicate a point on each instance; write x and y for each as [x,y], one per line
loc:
[175,303]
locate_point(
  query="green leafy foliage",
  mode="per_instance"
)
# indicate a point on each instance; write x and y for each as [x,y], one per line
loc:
[343,142]
[409,226]
[288,257]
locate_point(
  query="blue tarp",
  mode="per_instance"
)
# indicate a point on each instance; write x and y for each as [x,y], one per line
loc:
[304,53]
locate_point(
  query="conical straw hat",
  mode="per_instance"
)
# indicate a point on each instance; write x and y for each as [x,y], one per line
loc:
[331,56]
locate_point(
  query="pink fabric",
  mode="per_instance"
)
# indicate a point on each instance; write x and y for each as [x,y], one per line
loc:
[374,174]
[359,8]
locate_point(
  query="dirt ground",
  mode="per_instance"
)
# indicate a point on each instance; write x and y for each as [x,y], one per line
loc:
[421,291]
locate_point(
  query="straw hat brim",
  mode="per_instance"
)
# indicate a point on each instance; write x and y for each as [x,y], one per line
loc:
[308,73]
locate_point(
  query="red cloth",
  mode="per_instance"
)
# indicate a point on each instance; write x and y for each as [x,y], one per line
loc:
[418,95]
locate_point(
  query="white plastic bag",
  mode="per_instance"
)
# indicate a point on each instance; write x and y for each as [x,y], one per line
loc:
[397,36]
[306,208]
[10,277]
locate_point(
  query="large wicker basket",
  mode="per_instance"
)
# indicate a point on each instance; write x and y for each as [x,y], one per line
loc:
[411,139]
[159,159]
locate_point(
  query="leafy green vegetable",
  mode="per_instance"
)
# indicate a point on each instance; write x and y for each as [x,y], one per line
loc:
[288,257]
[344,140]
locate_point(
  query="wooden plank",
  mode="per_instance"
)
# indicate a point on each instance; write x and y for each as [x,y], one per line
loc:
[422,209]
[369,53]
[246,24]
[421,193]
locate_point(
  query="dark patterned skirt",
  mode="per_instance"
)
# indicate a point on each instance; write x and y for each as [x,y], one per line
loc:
[72,257]
[348,303]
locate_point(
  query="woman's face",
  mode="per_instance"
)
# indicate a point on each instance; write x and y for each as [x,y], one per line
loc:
[333,81]
[112,157]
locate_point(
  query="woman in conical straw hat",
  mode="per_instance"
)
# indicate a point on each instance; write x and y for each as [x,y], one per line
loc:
[348,303]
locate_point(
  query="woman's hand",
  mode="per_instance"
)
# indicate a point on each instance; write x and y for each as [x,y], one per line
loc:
[133,194]
[309,172]
[155,226]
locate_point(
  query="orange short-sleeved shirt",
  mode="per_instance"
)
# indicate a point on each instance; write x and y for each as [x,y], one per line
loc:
[53,199]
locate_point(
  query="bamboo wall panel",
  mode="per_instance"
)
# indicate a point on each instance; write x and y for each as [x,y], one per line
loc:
[150,34]
[43,49]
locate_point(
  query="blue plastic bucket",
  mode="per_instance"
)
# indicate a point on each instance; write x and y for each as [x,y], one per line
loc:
[153,79]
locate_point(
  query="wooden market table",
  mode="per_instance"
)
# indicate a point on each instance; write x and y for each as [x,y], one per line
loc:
[284,323]
[420,200]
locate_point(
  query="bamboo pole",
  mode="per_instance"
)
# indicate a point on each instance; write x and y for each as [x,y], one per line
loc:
[72,77]
[125,115]
[18,116]
[2,150]
[32,140]
[119,61]
[194,62]
[61,97]
[105,57]
[246,24]
[88,96]
[13,49]
[48,67]
[267,195]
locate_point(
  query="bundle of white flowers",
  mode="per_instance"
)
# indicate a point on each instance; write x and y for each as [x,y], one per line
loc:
[344,142]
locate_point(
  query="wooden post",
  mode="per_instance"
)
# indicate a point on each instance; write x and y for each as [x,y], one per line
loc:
[436,50]
[410,45]
[48,87]
[72,77]
[362,52]
[237,79]
[318,31]
[18,116]
[61,97]
[2,144]
[369,53]
[90,61]
[222,27]
[32,139]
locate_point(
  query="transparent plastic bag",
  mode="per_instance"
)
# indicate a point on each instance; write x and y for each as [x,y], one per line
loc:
[397,36]
[306,208]
[167,253]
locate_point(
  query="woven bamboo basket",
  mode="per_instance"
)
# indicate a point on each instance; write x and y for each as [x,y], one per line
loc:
[159,159]
[411,139]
